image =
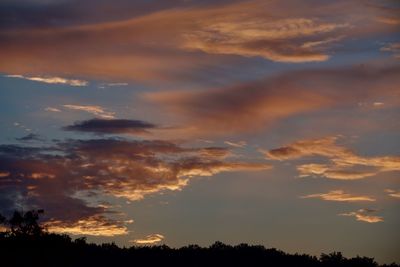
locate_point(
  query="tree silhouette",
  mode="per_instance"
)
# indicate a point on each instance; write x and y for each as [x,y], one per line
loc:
[26,244]
[2,219]
[332,259]
[23,223]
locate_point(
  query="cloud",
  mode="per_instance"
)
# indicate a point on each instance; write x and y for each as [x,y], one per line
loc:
[41,175]
[390,21]
[111,126]
[94,225]
[394,48]
[95,110]
[31,14]
[199,167]
[378,104]
[242,108]
[149,239]
[343,163]
[252,106]
[30,137]
[69,179]
[117,84]
[203,36]
[20,125]
[340,174]
[50,109]
[4,174]
[321,43]
[364,215]
[215,152]
[339,195]
[321,147]
[51,80]
[239,144]
[282,40]
[393,193]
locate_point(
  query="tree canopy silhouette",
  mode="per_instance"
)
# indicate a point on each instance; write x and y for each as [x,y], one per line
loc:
[25,243]
[23,223]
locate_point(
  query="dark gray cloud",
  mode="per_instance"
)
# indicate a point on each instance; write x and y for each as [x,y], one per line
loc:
[30,137]
[58,13]
[70,179]
[111,126]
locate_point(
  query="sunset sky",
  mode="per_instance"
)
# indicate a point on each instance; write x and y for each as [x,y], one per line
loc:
[187,121]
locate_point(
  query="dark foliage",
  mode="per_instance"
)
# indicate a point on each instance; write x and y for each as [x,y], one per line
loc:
[27,244]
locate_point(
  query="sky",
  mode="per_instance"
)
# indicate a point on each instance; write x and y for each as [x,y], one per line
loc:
[186,122]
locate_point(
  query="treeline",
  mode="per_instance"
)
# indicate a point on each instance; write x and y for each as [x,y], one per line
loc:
[25,243]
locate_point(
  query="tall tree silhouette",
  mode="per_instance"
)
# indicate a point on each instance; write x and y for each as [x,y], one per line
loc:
[23,223]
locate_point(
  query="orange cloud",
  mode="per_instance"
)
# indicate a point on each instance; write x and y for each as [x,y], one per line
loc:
[393,193]
[339,195]
[394,48]
[249,35]
[4,174]
[253,106]
[216,152]
[343,163]
[315,147]
[77,174]
[338,174]
[364,215]
[51,109]
[145,47]
[149,240]
[94,226]
[239,109]
[193,167]
[41,175]
[390,21]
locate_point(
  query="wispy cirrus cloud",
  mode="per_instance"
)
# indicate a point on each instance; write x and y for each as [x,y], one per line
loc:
[239,144]
[149,239]
[117,84]
[92,109]
[51,80]
[339,195]
[324,170]
[52,109]
[343,163]
[96,110]
[393,193]
[364,215]
[393,48]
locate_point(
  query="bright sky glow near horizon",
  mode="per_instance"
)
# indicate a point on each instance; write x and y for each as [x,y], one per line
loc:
[186,122]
